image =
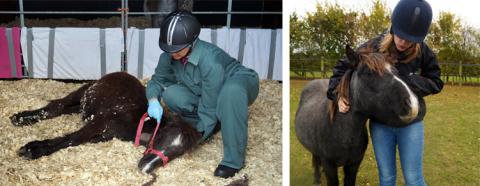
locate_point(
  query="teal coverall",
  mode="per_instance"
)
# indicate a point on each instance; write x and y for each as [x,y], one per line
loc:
[210,87]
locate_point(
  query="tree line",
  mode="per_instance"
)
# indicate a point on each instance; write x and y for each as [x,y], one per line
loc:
[318,39]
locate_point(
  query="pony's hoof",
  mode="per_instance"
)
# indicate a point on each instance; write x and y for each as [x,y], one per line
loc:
[23,118]
[25,153]
[31,151]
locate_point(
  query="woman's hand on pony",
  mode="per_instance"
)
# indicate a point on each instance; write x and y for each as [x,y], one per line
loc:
[343,105]
[155,110]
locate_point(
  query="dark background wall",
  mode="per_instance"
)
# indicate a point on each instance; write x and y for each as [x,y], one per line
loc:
[238,20]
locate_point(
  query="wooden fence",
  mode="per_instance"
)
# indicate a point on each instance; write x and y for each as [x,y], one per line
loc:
[455,73]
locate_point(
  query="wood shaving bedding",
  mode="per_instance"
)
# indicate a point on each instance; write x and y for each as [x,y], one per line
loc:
[115,162]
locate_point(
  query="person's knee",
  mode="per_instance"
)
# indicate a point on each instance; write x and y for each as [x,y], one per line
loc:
[388,180]
[414,178]
[388,176]
[176,102]
[233,89]
[231,93]
[232,98]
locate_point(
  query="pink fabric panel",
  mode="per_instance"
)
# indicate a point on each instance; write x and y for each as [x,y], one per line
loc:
[5,68]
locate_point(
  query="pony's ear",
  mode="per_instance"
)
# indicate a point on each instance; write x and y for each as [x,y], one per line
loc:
[351,55]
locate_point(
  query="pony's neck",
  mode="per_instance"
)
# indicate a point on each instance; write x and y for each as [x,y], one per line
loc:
[352,118]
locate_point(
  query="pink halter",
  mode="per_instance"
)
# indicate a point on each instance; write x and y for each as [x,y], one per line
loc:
[150,149]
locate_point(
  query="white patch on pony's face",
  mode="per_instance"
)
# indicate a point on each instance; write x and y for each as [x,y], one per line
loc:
[413,101]
[177,141]
[388,67]
[148,166]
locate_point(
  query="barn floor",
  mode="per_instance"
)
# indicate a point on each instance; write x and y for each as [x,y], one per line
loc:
[115,162]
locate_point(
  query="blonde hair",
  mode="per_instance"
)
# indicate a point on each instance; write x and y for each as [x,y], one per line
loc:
[387,46]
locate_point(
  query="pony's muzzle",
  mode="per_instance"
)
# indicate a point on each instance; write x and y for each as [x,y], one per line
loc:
[412,105]
[149,162]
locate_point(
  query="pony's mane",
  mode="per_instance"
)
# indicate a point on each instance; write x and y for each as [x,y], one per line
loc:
[374,61]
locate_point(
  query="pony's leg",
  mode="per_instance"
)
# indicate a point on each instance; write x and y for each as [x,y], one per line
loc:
[94,131]
[316,169]
[350,172]
[331,173]
[67,105]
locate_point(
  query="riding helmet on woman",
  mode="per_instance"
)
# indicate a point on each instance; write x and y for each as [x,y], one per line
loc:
[179,30]
[411,20]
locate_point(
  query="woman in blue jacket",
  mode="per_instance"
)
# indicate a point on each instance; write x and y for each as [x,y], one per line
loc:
[205,86]
[418,67]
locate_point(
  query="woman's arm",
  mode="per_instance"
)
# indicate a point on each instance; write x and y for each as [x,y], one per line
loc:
[428,82]
[161,79]
[338,72]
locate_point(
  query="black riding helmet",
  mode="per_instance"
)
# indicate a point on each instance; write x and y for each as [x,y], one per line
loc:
[178,31]
[411,20]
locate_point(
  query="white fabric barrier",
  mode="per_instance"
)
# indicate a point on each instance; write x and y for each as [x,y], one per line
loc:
[262,49]
[89,53]
[76,53]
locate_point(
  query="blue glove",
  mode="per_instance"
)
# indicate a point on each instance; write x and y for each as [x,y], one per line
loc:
[155,110]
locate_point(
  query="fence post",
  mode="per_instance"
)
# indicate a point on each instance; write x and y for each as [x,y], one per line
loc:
[22,20]
[322,68]
[124,26]
[303,70]
[229,15]
[460,72]
[126,13]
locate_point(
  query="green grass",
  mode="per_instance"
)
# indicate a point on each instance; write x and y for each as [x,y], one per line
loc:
[452,141]
[456,80]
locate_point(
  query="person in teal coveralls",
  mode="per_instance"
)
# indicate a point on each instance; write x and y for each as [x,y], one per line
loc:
[205,86]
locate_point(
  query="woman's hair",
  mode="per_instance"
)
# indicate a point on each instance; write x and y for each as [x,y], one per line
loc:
[387,45]
[342,90]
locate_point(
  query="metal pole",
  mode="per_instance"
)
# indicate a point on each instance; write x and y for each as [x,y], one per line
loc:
[125,54]
[22,21]
[126,14]
[121,15]
[123,30]
[229,16]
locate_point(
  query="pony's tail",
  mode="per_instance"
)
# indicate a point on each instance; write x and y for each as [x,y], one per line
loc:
[342,91]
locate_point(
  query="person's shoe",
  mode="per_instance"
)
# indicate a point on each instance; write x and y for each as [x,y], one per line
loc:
[225,172]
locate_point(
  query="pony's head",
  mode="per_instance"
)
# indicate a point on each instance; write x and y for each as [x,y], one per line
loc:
[374,88]
[171,141]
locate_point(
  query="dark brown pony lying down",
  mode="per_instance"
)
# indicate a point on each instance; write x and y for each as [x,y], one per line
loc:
[111,108]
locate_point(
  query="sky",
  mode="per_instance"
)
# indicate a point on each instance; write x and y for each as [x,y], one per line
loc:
[467,10]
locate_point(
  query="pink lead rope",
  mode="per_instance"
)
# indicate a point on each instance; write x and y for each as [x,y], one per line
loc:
[150,149]
[139,129]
